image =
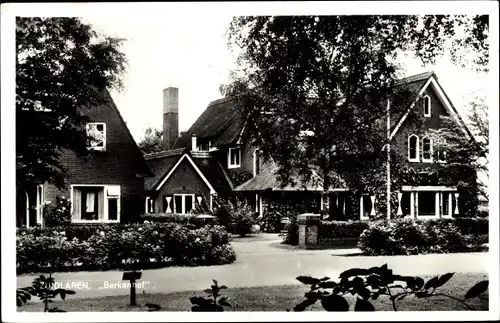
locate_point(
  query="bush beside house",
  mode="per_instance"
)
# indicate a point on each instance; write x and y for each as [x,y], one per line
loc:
[105,247]
[408,237]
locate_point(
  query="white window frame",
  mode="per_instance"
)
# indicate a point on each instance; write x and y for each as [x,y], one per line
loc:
[427,99]
[39,203]
[430,159]
[106,198]
[229,164]
[256,152]
[87,126]
[146,208]
[417,149]
[184,203]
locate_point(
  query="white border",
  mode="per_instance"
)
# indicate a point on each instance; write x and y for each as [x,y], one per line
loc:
[9,11]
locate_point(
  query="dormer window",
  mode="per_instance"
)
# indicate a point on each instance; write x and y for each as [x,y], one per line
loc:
[413,149]
[96,136]
[427,106]
[234,158]
[427,150]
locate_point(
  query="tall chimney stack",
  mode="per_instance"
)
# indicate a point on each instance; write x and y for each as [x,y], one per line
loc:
[170,117]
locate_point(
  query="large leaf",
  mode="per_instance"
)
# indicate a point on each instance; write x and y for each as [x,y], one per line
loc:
[363,306]
[431,283]
[304,304]
[443,279]
[354,272]
[329,284]
[335,303]
[308,280]
[477,289]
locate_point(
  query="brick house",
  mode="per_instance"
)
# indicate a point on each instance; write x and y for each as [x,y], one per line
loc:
[107,186]
[215,157]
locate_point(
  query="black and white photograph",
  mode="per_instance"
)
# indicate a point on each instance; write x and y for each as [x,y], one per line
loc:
[252,159]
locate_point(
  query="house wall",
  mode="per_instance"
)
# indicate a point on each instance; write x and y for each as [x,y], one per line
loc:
[408,127]
[120,164]
[184,180]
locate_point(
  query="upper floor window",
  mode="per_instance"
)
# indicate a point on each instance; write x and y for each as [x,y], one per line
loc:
[427,149]
[234,158]
[427,106]
[96,134]
[413,149]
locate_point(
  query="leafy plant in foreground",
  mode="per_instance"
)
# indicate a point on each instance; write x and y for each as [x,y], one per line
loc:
[42,287]
[210,303]
[369,284]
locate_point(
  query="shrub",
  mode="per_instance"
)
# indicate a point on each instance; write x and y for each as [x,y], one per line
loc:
[105,247]
[341,229]
[407,236]
[58,213]
[292,235]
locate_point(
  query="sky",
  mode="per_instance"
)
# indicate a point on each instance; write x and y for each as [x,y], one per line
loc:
[189,51]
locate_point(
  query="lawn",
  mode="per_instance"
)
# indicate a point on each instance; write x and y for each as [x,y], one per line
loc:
[273,298]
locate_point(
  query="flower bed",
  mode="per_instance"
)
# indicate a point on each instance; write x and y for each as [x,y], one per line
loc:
[407,236]
[105,247]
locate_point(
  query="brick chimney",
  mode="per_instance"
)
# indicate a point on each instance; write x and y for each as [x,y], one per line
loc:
[170,117]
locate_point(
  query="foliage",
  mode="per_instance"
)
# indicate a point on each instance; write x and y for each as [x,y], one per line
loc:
[152,142]
[184,219]
[58,213]
[43,288]
[88,247]
[407,236]
[292,233]
[371,283]
[63,67]
[210,303]
[341,229]
[239,216]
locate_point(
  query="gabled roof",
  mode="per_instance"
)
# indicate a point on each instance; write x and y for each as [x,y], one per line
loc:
[163,164]
[417,84]
[160,164]
[222,121]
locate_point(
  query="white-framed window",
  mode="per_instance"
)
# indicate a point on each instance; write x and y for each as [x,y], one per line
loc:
[96,134]
[413,148]
[183,203]
[427,149]
[234,158]
[150,205]
[39,203]
[427,106]
[95,203]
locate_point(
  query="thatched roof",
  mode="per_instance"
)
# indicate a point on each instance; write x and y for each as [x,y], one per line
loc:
[222,122]
[268,180]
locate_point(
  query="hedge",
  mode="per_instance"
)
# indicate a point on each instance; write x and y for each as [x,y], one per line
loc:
[408,236]
[105,247]
[188,220]
[341,229]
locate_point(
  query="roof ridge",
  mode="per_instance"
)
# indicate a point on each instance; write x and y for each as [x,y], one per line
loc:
[164,153]
[417,77]
[219,101]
